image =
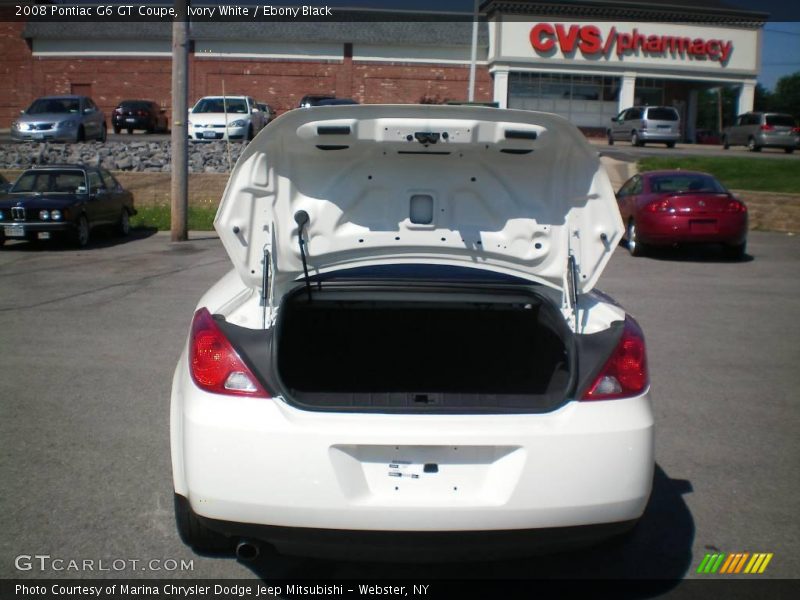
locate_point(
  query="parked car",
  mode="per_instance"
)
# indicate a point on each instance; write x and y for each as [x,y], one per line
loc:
[758,130]
[64,200]
[681,207]
[314,99]
[643,124]
[139,114]
[207,119]
[707,136]
[60,119]
[5,184]
[268,111]
[395,352]
[336,102]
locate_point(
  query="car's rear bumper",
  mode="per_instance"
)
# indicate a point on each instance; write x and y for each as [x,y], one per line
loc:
[263,462]
[412,546]
[136,123]
[647,135]
[778,141]
[665,229]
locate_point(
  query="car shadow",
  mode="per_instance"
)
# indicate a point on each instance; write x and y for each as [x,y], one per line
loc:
[656,554]
[690,253]
[101,237]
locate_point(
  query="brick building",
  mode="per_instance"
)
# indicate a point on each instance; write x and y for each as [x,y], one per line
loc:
[584,59]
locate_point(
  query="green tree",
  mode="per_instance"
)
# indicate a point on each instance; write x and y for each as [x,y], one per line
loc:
[786,97]
[763,98]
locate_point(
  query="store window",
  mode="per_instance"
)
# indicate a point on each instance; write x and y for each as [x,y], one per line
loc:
[586,100]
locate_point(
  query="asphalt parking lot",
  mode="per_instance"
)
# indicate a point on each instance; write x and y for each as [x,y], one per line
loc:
[89,340]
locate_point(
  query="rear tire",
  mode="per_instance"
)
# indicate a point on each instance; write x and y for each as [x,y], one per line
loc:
[752,146]
[130,130]
[635,140]
[670,144]
[117,130]
[788,150]
[725,144]
[635,247]
[610,138]
[193,533]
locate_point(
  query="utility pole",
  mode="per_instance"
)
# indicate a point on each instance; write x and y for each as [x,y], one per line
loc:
[474,52]
[179,188]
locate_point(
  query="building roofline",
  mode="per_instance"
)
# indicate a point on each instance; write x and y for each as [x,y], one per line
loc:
[710,11]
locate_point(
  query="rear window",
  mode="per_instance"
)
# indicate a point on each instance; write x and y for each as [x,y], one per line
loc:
[135,105]
[662,114]
[685,183]
[780,120]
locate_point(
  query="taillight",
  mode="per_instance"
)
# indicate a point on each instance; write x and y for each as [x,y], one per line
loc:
[767,128]
[625,373]
[214,364]
[644,124]
[735,206]
[659,206]
[795,129]
[141,113]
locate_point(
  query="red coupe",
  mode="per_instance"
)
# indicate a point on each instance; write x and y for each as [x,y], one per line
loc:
[681,207]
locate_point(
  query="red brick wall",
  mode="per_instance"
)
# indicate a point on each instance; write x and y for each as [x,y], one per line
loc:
[16,68]
[279,83]
[282,84]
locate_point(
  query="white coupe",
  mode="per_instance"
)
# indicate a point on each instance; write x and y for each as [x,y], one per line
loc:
[409,347]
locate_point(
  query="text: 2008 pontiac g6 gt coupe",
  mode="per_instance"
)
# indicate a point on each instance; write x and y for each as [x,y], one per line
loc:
[409,345]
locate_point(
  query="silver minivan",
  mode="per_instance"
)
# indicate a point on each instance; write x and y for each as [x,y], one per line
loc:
[642,124]
[758,130]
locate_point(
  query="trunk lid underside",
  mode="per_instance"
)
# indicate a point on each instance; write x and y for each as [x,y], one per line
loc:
[512,192]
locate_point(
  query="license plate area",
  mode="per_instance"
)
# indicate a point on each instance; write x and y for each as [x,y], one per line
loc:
[130,120]
[427,475]
[703,226]
[210,135]
[14,230]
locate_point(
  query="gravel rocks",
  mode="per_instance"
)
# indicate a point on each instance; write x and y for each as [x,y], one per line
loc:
[154,157]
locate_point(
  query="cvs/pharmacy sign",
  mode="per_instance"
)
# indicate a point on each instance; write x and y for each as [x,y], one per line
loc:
[590,41]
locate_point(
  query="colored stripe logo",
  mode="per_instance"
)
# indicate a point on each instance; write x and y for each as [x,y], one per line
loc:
[735,563]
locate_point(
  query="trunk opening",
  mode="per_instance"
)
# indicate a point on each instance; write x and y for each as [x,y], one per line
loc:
[416,351]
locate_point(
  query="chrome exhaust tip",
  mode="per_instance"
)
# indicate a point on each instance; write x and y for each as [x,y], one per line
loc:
[247,550]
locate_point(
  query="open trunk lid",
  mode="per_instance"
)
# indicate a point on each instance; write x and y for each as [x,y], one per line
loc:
[513,192]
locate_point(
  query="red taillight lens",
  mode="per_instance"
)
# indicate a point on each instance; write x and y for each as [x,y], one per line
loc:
[659,206]
[795,129]
[141,113]
[735,206]
[767,128]
[625,373]
[214,364]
